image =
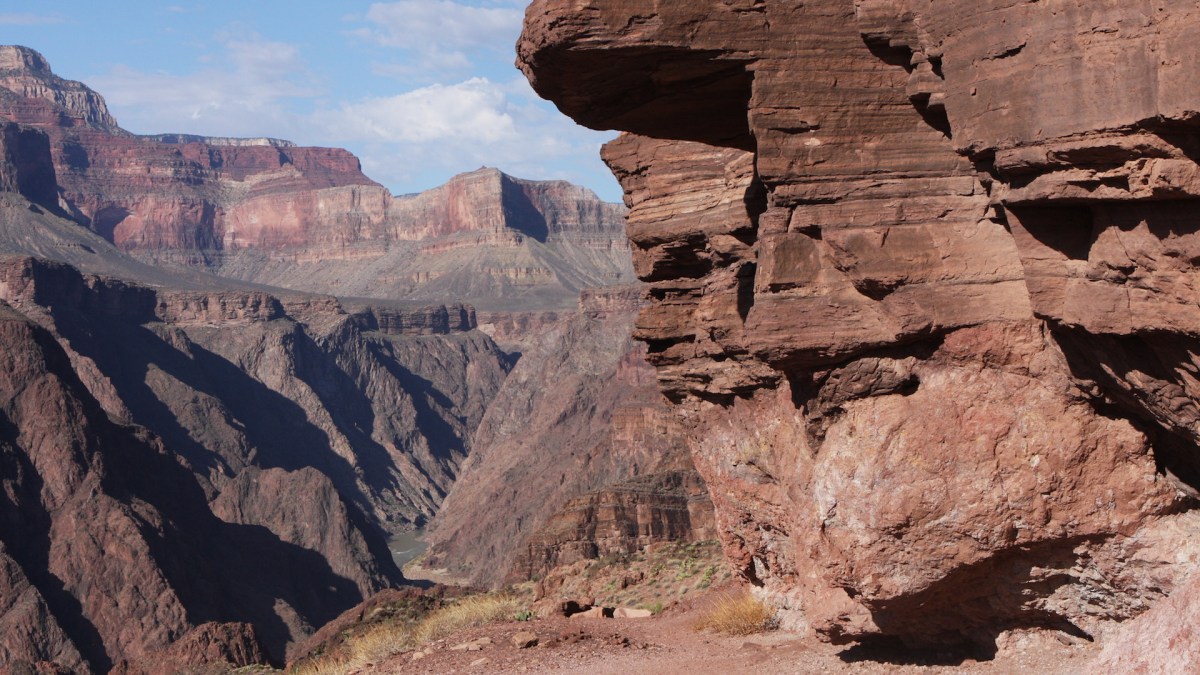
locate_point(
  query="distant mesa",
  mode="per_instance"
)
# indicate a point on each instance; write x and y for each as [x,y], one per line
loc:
[267,211]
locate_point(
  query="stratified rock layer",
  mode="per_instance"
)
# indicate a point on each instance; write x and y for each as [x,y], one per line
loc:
[579,411]
[922,279]
[619,519]
[283,434]
[270,212]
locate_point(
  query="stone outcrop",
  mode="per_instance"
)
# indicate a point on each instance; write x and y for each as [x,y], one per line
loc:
[579,411]
[295,431]
[619,519]
[921,280]
[1163,640]
[267,211]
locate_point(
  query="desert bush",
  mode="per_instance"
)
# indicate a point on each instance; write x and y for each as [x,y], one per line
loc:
[470,612]
[736,615]
[375,645]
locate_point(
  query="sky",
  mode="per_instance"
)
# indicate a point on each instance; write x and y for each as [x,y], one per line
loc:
[420,90]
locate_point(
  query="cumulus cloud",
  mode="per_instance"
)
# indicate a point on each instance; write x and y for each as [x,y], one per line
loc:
[242,90]
[447,129]
[444,36]
[474,111]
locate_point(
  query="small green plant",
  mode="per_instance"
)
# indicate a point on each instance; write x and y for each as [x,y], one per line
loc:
[524,615]
[686,568]
[655,608]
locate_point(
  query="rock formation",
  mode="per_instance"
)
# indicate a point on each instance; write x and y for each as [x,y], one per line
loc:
[619,519]
[579,411]
[267,211]
[921,279]
[291,432]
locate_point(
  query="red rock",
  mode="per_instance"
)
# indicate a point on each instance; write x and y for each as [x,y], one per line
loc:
[1165,639]
[619,519]
[924,310]
[525,639]
[578,412]
[246,485]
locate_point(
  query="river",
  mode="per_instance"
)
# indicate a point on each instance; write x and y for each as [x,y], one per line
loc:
[405,547]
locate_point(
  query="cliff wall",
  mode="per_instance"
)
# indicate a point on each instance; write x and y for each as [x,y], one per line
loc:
[288,435]
[920,284]
[580,411]
[270,212]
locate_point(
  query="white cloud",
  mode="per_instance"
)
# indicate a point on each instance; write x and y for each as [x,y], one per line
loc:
[242,91]
[442,34]
[30,19]
[442,24]
[474,111]
[447,129]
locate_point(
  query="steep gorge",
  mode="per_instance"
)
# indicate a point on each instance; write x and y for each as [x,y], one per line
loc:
[922,286]
[292,426]
[312,427]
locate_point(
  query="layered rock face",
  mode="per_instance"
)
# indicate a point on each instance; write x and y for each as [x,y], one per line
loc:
[619,519]
[295,431]
[267,211]
[89,505]
[497,242]
[579,411]
[921,279]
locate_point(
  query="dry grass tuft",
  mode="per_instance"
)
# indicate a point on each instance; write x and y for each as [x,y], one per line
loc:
[470,612]
[376,645]
[325,666]
[382,641]
[737,615]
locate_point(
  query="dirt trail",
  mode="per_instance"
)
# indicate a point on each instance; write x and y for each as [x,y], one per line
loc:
[668,644]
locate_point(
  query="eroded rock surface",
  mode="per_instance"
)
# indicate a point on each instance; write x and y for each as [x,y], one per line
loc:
[270,212]
[579,411]
[922,290]
[620,519]
[285,432]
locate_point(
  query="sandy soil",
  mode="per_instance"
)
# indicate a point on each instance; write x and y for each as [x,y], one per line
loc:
[668,644]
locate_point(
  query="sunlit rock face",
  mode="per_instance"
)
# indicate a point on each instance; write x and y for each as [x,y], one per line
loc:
[270,212]
[922,280]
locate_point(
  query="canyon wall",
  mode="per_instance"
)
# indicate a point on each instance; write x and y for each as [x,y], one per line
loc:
[291,428]
[617,520]
[922,291]
[580,411]
[284,435]
[270,212]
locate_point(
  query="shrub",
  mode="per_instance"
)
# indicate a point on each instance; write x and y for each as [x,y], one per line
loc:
[471,612]
[737,615]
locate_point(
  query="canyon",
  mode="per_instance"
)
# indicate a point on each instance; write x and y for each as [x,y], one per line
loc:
[921,280]
[900,307]
[238,366]
[269,212]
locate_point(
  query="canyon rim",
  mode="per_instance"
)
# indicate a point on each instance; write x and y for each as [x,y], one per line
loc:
[901,306]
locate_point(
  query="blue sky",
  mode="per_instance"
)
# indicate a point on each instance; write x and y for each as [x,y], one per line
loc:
[419,89]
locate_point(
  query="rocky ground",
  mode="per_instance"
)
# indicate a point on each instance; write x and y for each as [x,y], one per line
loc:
[668,643]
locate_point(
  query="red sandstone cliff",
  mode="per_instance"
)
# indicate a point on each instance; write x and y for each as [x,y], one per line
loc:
[922,283]
[580,411]
[267,211]
[291,432]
